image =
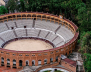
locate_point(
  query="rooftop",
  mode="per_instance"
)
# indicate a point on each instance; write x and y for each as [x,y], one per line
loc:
[70,61]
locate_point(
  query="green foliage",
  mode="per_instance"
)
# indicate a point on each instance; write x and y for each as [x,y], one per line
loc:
[58,71]
[47,71]
[87,62]
[85,42]
[3,10]
[12,5]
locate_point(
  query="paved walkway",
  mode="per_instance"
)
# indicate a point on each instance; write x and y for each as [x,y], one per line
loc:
[52,69]
[29,68]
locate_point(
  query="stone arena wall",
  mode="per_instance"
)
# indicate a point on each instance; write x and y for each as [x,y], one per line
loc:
[20,57]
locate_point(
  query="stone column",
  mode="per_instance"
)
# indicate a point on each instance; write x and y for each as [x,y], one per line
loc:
[5,63]
[48,60]
[17,64]
[30,62]
[0,61]
[36,61]
[54,57]
[11,63]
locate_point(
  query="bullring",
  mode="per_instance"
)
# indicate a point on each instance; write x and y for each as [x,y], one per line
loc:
[59,32]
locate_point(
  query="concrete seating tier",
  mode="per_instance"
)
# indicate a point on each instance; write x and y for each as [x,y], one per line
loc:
[31,32]
[42,29]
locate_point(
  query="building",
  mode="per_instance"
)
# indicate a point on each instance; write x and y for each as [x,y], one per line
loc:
[58,32]
[70,64]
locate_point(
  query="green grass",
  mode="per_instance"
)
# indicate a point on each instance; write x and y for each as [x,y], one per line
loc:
[54,71]
[58,71]
[47,71]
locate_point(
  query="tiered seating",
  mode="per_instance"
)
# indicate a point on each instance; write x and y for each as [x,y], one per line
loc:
[7,35]
[22,23]
[43,34]
[46,25]
[1,42]
[51,36]
[32,32]
[10,24]
[20,32]
[64,32]
[42,29]
[3,27]
[58,41]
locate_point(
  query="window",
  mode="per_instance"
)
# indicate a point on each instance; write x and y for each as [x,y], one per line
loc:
[14,54]
[57,51]
[45,53]
[20,55]
[62,49]
[27,55]
[33,54]
[1,52]
[51,52]
[39,54]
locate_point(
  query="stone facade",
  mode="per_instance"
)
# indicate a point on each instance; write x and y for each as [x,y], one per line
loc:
[69,65]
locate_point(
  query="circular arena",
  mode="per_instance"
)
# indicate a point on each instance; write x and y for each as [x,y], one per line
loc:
[33,38]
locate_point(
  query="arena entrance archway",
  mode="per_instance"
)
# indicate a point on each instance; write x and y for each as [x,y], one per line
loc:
[51,59]
[20,62]
[27,63]
[39,62]
[45,61]
[2,61]
[14,63]
[8,62]
[57,59]
[33,62]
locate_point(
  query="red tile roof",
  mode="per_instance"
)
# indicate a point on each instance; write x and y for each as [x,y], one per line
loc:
[70,61]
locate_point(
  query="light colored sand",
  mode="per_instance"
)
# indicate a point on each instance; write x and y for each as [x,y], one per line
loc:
[28,45]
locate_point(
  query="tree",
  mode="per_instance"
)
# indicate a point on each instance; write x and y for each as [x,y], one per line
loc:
[85,42]
[12,5]
[3,10]
[87,62]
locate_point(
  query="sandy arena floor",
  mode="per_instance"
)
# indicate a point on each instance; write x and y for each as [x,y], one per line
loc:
[28,45]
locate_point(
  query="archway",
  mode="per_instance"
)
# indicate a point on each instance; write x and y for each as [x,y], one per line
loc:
[14,63]
[51,59]
[20,62]
[66,54]
[39,62]
[2,61]
[57,58]
[45,61]
[27,63]
[8,62]
[33,62]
